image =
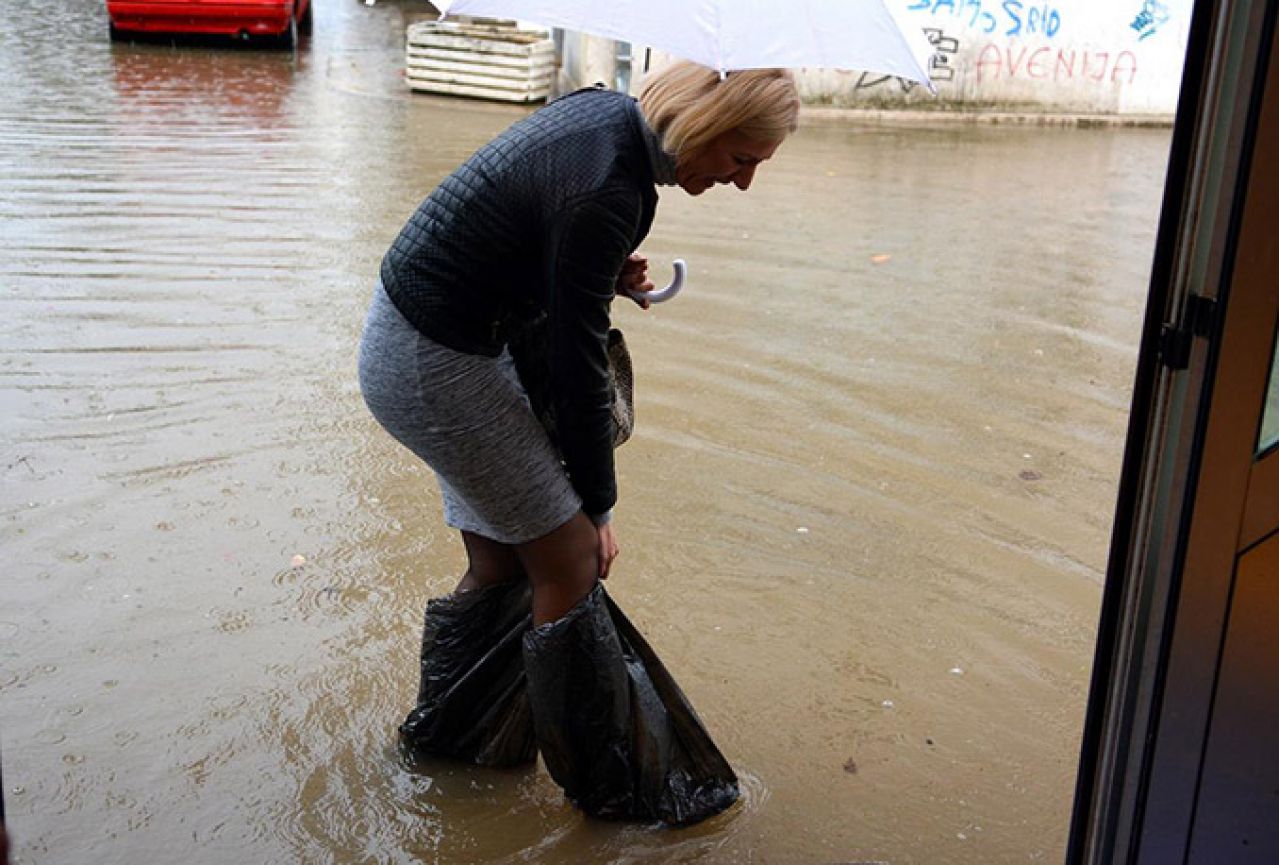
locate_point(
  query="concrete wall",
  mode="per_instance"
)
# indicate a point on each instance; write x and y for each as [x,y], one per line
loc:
[585,60]
[1077,56]
[1092,56]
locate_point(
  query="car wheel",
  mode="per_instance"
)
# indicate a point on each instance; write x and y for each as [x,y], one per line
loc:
[308,20]
[289,38]
[116,34]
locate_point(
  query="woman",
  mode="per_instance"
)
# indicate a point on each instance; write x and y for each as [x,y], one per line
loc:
[541,222]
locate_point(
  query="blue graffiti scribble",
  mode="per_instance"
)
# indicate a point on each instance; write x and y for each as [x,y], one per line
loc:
[1031,20]
[1148,20]
[1018,18]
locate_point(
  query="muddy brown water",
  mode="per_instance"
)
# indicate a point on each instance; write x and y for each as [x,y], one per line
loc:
[864,518]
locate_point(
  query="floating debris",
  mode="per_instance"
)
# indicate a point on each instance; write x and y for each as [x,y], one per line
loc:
[1029,475]
[298,560]
[850,766]
[880,259]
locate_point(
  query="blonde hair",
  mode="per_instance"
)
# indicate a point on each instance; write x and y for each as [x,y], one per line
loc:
[688,105]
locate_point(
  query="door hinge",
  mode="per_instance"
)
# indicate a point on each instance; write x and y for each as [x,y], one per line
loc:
[1175,341]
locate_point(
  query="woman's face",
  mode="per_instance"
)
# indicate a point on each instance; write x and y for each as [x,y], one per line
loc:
[728,158]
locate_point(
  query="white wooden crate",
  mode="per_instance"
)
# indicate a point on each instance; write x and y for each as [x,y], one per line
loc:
[480,58]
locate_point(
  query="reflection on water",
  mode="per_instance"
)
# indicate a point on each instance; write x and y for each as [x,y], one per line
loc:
[864,517]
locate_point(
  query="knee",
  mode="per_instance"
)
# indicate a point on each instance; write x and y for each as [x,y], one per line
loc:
[489,562]
[568,556]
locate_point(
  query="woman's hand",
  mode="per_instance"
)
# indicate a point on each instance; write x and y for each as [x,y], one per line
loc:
[633,281]
[607,549]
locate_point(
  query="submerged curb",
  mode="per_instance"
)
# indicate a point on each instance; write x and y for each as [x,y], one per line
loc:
[828,114]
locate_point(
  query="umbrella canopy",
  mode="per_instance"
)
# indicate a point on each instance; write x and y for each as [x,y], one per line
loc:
[738,34]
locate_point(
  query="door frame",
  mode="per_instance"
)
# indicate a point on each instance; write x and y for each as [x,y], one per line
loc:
[1184,488]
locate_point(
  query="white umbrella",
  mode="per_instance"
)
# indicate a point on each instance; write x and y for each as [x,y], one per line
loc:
[739,34]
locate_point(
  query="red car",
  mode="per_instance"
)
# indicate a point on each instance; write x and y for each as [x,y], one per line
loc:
[279,20]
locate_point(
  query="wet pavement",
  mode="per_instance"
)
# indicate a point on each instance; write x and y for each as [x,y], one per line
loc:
[864,518]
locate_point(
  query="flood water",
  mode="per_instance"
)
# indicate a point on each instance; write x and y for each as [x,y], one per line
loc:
[864,518]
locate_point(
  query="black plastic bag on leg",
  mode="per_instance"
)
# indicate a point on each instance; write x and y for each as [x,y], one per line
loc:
[696,781]
[473,700]
[614,728]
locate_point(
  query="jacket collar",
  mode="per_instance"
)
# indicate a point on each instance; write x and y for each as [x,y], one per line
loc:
[661,162]
[646,161]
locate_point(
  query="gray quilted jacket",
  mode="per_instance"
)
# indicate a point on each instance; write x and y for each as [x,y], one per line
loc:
[538,221]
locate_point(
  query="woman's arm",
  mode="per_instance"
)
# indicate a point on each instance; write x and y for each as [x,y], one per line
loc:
[590,242]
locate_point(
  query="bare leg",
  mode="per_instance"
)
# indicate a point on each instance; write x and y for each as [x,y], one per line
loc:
[488,563]
[562,566]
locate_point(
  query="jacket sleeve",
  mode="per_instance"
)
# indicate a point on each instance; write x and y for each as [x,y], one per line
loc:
[590,240]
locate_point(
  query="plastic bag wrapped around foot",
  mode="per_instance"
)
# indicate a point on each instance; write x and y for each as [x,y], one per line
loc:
[473,701]
[614,728]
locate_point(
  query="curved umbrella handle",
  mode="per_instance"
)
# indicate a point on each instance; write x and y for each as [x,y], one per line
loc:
[661,295]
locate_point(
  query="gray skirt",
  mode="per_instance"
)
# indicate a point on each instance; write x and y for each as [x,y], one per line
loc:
[468,418]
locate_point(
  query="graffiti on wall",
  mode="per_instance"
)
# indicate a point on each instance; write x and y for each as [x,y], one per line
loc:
[1034,21]
[1152,16]
[1055,64]
[1006,17]
[1029,41]
[940,67]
